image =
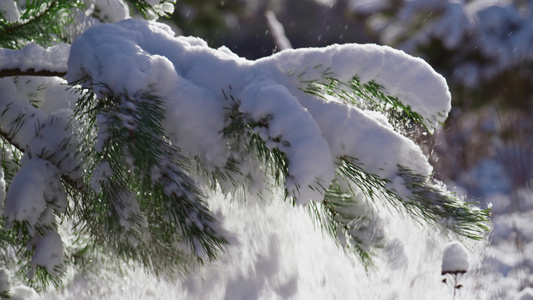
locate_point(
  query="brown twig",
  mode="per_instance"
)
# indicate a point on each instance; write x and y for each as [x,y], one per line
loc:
[30,72]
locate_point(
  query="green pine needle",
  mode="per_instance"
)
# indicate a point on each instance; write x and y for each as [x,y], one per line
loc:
[148,208]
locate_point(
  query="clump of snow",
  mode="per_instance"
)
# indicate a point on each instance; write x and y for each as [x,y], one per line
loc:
[165,7]
[50,94]
[15,293]
[32,195]
[9,11]
[408,78]
[49,59]
[24,293]
[295,125]
[36,114]
[48,254]
[455,259]
[14,109]
[100,174]
[111,10]
[59,131]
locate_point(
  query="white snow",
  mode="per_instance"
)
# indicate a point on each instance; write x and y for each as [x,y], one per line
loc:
[36,113]
[308,152]
[24,293]
[49,59]
[48,253]
[455,258]
[408,78]
[136,57]
[9,11]
[15,108]
[30,193]
[161,8]
[50,94]
[111,10]
[100,174]
[277,252]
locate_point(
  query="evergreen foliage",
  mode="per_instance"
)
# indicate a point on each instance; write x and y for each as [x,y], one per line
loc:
[138,161]
[38,22]
[136,195]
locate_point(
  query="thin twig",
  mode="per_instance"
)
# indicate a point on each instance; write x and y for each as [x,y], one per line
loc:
[30,72]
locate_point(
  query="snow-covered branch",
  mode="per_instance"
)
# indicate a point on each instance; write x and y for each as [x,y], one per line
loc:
[30,72]
[160,115]
[278,106]
[34,60]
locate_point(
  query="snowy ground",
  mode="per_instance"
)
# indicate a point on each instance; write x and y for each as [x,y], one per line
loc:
[278,254]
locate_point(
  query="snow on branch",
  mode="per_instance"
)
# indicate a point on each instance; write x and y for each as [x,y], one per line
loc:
[30,72]
[34,60]
[160,115]
[284,110]
[139,57]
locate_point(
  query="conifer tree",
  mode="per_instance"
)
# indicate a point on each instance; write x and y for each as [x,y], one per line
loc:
[118,130]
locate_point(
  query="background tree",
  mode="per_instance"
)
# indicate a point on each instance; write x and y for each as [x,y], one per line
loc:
[484,50]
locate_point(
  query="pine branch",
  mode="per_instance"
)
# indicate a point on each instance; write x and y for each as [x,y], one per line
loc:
[19,118]
[9,137]
[30,115]
[427,201]
[241,133]
[30,72]
[143,191]
[346,216]
[13,28]
[42,22]
[435,203]
[350,220]
[368,96]
[145,8]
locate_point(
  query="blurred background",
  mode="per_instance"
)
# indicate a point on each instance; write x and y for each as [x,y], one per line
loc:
[484,48]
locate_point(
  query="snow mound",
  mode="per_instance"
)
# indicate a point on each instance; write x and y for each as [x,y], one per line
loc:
[49,59]
[455,259]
